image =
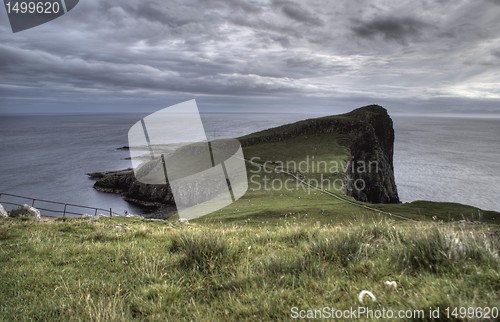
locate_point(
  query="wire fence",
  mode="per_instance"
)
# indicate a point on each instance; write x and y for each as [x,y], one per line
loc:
[53,208]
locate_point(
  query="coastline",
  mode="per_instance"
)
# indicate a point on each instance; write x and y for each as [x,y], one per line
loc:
[367,123]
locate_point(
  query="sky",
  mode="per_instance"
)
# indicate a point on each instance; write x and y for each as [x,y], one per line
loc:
[412,57]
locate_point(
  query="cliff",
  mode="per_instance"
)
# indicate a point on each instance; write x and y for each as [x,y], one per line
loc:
[123,182]
[367,132]
[371,157]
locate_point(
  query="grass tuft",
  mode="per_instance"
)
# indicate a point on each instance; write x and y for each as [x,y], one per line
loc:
[204,251]
[344,248]
[437,250]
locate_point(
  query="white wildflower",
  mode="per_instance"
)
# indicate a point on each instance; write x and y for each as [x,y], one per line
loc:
[391,284]
[364,293]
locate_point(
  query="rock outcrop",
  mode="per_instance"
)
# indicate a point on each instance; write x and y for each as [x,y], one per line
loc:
[3,212]
[26,211]
[124,182]
[370,172]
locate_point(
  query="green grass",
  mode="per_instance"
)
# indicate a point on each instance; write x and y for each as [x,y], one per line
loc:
[445,211]
[83,269]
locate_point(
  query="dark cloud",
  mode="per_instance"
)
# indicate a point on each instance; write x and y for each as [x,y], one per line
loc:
[390,28]
[296,12]
[244,5]
[157,13]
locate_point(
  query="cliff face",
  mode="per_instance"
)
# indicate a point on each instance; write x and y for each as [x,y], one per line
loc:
[370,172]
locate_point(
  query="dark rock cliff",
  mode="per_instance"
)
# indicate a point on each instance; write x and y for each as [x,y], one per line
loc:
[370,172]
[124,182]
[367,132]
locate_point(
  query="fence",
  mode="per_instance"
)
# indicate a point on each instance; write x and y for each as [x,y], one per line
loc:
[58,207]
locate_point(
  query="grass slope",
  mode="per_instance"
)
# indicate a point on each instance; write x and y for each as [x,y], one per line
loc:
[125,269]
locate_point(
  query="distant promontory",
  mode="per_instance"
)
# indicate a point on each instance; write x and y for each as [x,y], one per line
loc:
[367,133]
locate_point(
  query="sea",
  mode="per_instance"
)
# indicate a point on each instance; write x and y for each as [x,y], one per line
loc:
[48,156]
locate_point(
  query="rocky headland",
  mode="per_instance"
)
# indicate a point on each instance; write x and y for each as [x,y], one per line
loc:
[367,132]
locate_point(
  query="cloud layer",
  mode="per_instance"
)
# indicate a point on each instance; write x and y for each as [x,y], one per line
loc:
[251,52]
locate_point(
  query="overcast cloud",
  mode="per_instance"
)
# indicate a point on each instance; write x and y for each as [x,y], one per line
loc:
[410,56]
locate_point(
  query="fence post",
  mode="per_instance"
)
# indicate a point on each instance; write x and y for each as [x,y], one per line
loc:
[33,203]
[64,212]
[110,212]
[95,215]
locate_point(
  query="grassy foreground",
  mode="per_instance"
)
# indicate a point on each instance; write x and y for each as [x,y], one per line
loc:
[124,269]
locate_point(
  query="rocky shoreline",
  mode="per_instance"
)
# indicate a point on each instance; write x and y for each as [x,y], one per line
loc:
[147,197]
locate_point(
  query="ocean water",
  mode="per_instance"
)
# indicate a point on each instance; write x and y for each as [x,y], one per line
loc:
[448,159]
[47,157]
